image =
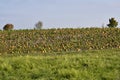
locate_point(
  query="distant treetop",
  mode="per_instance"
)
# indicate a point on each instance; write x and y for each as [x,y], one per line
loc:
[112,23]
[8,27]
[38,25]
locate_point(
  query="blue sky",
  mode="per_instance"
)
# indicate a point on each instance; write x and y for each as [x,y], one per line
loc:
[58,13]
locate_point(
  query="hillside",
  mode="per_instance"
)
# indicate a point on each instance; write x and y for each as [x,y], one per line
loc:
[58,40]
[60,54]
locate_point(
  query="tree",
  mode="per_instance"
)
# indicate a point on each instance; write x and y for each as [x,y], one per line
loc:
[8,27]
[38,25]
[112,23]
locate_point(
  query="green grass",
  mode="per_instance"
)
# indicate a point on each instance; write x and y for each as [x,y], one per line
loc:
[84,65]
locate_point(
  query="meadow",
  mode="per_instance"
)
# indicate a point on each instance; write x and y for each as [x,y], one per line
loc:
[60,54]
[85,65]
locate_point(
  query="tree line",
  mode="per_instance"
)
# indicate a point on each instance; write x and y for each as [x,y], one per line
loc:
[112,24]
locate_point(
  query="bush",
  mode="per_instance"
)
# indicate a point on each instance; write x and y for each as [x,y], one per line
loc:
[8,27]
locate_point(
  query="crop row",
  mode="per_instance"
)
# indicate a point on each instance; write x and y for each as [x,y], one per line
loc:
[58,40]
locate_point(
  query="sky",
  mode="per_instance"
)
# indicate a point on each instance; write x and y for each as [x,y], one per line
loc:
[24,14]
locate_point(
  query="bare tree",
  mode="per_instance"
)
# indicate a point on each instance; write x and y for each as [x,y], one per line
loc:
[38,25]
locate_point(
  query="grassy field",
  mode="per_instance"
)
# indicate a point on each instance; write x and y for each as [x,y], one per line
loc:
[83,65]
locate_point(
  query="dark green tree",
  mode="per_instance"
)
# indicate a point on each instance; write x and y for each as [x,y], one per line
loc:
[112,23]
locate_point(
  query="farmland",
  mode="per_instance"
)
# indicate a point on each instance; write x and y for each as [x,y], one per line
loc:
[60,54]
[58,40]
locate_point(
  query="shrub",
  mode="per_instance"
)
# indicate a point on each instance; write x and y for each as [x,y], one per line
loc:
[8,27]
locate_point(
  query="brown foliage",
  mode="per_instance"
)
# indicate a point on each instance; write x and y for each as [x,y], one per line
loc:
[8,27]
